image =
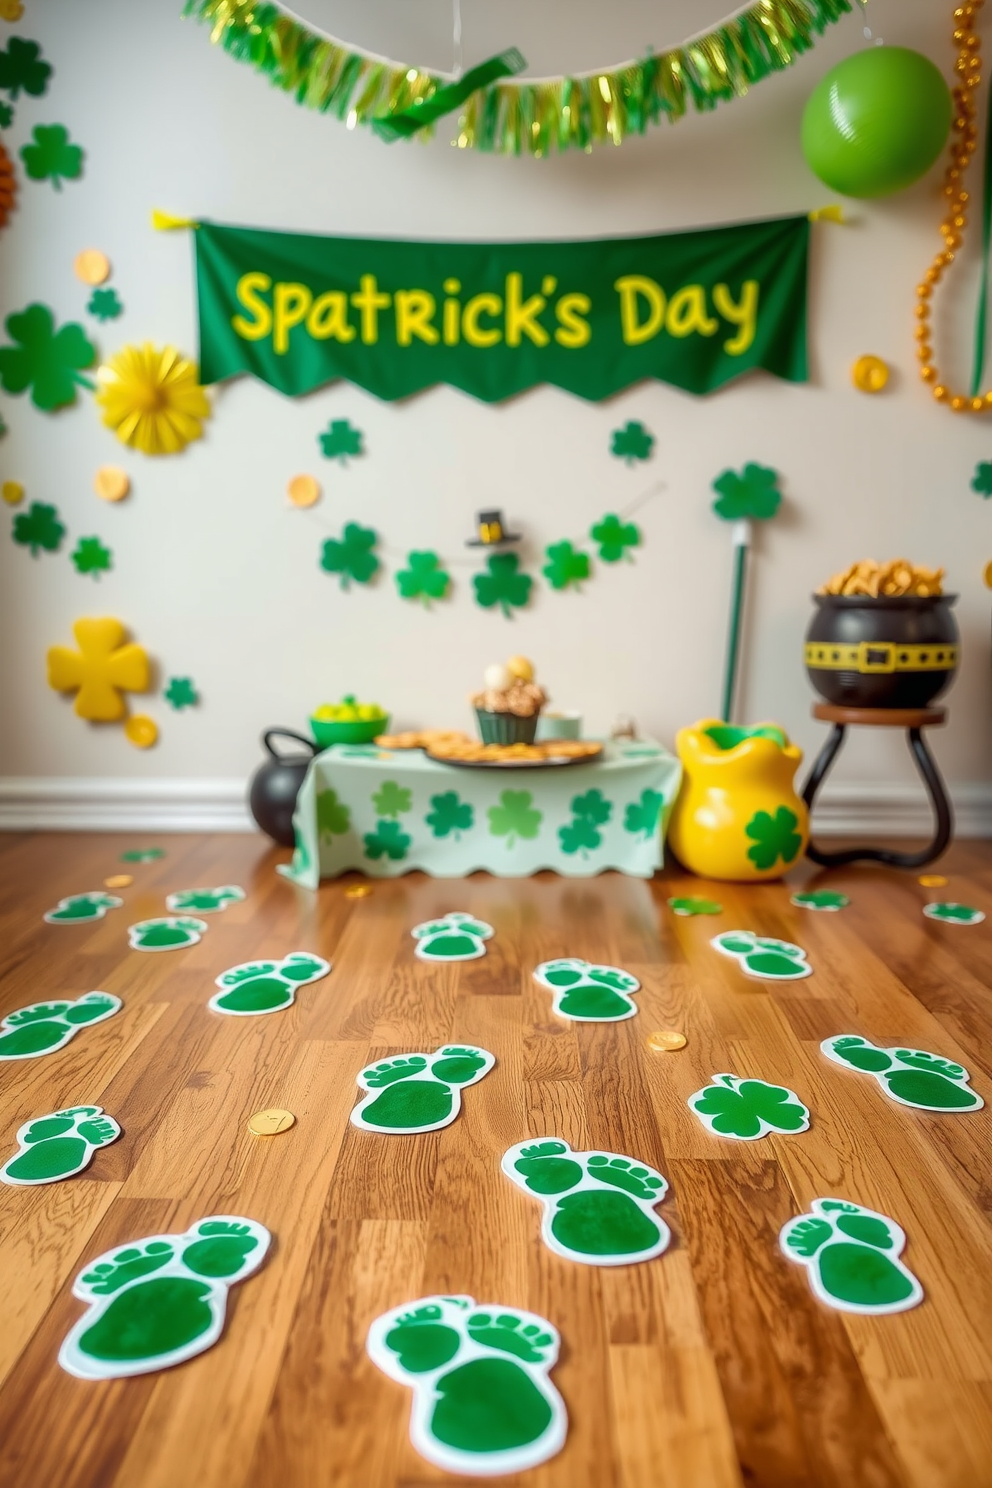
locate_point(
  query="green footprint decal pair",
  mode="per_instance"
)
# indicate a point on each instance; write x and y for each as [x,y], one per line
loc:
[165,934]
[852,1255]
[161,1300]
[203,901]
[822,899]
[258,987]
[58,1145]
[910,1076]
[482,1400]
[452,937]
[80,908]
[419,1092]
[758,956]
[46,1026]
[954,914]
[586,993]
[748,1109]
[598,1206]
[695,905]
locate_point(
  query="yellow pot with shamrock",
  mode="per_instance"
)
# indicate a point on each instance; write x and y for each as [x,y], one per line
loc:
[737,815]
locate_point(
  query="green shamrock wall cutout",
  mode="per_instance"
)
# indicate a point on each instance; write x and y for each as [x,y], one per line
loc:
[503,584]
[424,578]
[180,693]
[6,115]
[614,538]
[352,556]
[22,68]
[632,443]
[43,359]
[104,305]
[565,565]
[52,156]
[752,495]
[339,441]
[981,481]
[38,527]
[91,557]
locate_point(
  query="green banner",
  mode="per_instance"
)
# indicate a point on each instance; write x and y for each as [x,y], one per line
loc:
[695,309]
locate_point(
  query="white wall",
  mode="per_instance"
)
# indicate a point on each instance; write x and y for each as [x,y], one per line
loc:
[219,577]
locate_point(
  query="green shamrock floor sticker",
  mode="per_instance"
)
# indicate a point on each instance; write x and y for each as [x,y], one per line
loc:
[46,1026]
[165,934]
[58,1145]
[452,937]
[759,956]
[748,1109]
[913,1077]
[598,1206]
[142,854]
[204,901]
[852,1255]
[586,993]
[953,914]
[79,908]
[695,906]
[483,1404]
[160,1300]
[258,987]
[823,899]
[419,1092]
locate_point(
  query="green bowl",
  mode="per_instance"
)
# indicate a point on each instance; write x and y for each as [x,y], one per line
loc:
[327,731]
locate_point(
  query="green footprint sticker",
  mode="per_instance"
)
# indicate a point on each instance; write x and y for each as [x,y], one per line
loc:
[482,1401]
[910,1076]
[258,987]
[695,906]
[142,854]
[46,1026]
[852,1255]
[79,908]
[748,1109]
[824,899]
[452,937]
[203,901]
[419,1092]
[160,1300]
[758,956]
[58,1145]
[598,1206]
[165,934]
[954,914]
[585,993]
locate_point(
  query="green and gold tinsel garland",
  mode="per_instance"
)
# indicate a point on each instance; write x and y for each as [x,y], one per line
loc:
[510,117]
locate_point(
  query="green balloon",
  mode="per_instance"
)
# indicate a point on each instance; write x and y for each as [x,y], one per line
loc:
[877,121]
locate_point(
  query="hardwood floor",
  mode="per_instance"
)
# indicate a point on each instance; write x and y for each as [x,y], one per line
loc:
[711,1366]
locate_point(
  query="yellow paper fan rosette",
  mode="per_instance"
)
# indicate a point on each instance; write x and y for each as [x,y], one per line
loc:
[151,398]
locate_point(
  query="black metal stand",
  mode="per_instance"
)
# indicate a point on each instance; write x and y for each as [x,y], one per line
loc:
[935,788]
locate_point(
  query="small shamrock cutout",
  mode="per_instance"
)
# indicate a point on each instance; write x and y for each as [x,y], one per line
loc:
[333,816]
[43,359]
[503,585]
[91,557]
[387,840]
[450,814]
[104,304]
[954,914]
[824,899]
[6,115]
[694,905]
[424,578]
[774,837]
[514,817]
[21,67]
[644,816]
[391,799]
[38,527]
[180,693]
[753,494]
[565,565]
[614,538]
[352,556]
[981,481]
[52,157]
[340,440]
[748,1109]
[632,442]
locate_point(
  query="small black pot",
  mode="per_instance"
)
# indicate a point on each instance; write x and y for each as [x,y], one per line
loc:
[276,784]
[898,652]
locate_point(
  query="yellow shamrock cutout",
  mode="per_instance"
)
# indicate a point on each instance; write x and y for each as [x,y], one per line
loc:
[101,669]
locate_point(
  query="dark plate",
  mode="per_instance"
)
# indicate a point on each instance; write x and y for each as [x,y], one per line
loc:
[545,764]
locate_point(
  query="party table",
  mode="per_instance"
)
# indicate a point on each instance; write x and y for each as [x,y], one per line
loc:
[387,812]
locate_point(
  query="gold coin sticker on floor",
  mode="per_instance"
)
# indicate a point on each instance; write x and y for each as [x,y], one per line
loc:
[118,881]
[111,483]
[269,1123]
[666,1041]
[358,891]
[932,880]
[92,266]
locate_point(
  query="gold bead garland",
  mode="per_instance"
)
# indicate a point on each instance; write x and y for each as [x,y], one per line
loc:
[968,67]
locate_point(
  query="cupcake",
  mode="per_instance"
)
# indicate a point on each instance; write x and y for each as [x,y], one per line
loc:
[509,706]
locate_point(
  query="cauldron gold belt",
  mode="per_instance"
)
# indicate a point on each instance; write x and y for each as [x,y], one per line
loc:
[881,656]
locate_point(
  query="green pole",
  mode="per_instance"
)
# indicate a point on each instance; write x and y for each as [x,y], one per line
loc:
[742,541]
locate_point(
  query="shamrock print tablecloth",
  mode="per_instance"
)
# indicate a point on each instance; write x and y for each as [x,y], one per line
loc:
[387,812]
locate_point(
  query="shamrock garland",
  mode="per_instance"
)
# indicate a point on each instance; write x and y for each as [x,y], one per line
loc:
[565,565]
[38,527]
[424,578]
[352,555]
[615,537]
[632,442]
[340,440]
[52,156]
[22,67]
[502,584]
[91,557]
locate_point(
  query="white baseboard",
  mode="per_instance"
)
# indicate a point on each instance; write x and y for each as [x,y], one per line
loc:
[83,804]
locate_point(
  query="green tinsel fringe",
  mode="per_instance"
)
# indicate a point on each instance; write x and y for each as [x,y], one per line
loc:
[514,118]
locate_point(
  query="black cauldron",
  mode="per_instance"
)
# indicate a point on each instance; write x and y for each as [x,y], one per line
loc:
[897,652]
[276,784]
